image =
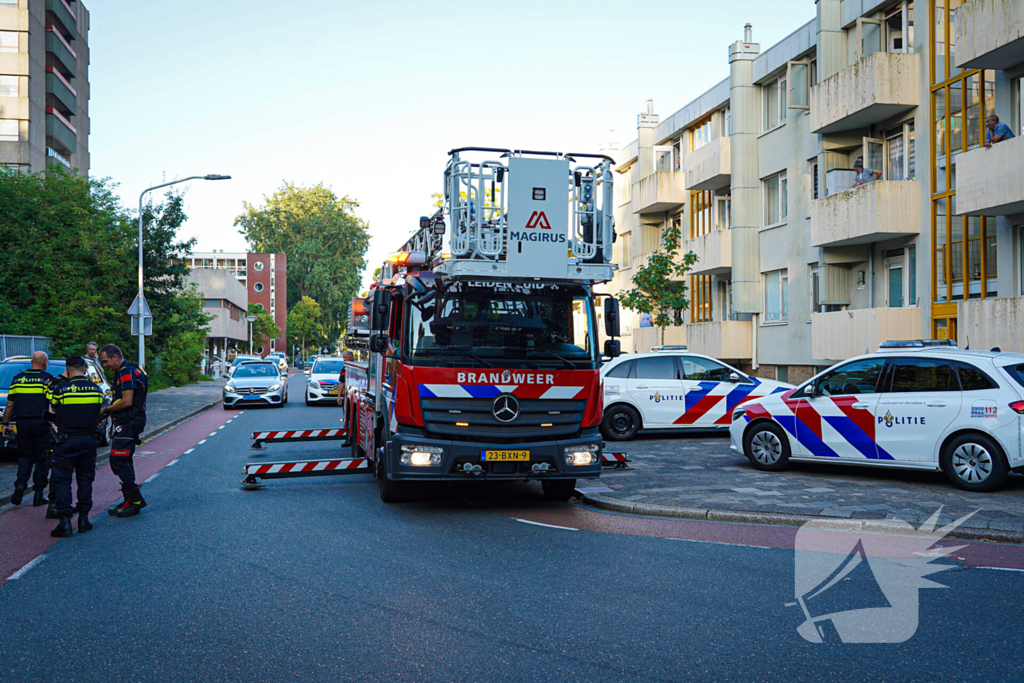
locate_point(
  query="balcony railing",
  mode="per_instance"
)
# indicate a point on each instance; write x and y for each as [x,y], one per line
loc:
[842,334]
[61,89]
[713,250]
[990,180]
[646,338]
[990,323]
[63,13]
[989,34]
[708,168]
[727,339]
[58,128]
[877,87]
[874,212]
[60,54]
[659,192]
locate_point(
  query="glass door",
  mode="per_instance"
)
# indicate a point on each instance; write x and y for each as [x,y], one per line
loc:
[896,281]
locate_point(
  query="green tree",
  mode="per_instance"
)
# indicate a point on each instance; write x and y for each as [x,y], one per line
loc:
[324,240]
[263,329]
[304,322]
[659,287]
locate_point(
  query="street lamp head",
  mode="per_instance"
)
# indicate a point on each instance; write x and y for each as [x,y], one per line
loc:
[216,176]
[251,318]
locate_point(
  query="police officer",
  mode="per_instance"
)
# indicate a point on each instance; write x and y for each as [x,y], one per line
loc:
[77,403]
[26,403]
[129,414]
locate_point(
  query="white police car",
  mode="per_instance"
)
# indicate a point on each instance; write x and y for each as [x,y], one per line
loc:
[912,405]
[671,388]
[322,381]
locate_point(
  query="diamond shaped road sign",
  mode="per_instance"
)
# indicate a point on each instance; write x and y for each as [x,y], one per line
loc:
[139,307]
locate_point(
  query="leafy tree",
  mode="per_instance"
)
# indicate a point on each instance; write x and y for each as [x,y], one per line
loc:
[659,287]
[304,322]
[324,240]
[263,329]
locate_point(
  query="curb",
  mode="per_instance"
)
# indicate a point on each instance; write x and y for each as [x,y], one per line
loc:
[784,519]
[103,456]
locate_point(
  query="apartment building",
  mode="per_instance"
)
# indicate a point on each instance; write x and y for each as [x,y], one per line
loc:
[799,263]
[225,301]
[44,85]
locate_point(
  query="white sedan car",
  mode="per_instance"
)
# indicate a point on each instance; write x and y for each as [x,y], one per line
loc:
[908,406]
[674,389]
[322,381]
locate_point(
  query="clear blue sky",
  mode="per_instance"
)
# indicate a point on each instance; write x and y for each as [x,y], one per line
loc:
[368,97]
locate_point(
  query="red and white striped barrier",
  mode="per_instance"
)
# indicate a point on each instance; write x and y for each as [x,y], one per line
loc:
[617,460]
[304,468]
[296,435]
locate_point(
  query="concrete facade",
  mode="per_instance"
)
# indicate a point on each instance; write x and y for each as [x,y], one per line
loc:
[44,85]
[225,302]
[814,268]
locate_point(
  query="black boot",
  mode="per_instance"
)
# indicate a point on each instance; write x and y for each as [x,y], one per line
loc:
[63,528]
[83,522]
[51,510]
[134,502]
[112,510]
[38,499]
[17,496]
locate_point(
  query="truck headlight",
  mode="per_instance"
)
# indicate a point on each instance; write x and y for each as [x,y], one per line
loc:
[421,456]
[582,455]
[228,388]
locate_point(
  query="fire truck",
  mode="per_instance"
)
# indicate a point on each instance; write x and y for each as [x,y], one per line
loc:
[484,362]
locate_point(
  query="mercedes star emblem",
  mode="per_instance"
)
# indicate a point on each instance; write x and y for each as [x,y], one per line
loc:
[505,408]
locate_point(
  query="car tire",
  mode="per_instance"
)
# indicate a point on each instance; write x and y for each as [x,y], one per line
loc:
[975,462]
[766,446]
[391,491]
[621,423]
[308,402]
[106,432]
[559,490]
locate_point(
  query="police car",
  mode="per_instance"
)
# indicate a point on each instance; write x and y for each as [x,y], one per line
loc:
[911,405]
[322,383]
[671,388]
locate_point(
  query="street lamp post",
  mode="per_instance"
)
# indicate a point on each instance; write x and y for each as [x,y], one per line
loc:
[211,176]
[251,319]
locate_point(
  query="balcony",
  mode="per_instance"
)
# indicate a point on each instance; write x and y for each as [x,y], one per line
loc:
[61,89]
[59,54]
[727,339]
[987,323]
[842,334]
[874,212]
[63,13]
[708,168]
[58,128]
[990,181]
[879,86]
[646,338]
[989,34]
[659,192]
[714,252]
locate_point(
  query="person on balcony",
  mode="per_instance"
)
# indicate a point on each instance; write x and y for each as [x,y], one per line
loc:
[997,132]
[864,175]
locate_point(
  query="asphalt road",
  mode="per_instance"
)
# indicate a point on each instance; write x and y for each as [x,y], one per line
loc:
[317,580]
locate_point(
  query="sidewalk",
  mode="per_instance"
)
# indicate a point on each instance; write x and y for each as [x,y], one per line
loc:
[164,410]
[699,477]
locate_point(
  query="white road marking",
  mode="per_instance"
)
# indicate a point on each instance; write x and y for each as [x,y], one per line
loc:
[187,452]
[1001,569]
[221,427]
[172,463]
[201,442]
[21,572]
[151,478]
[742,545]
[550,526]
[212,434]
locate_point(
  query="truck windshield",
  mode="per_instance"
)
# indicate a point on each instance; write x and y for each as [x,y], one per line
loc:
[487,324]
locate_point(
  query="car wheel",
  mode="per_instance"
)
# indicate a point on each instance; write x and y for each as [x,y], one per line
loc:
[766,446]
[974,462]
[106,432]
[620,423]
[559,489]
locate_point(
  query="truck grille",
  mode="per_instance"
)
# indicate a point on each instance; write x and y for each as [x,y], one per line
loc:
[441,415]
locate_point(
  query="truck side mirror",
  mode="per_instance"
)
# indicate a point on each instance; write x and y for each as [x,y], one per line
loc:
[612,348]
[380,310]
[611,317]
[378,342]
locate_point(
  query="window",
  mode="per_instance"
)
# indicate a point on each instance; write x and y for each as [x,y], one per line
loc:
[657,367]
[9,41]
[915,375]
[700,134]
[973,379]
[211,303]
[258,286]
[816,305]
[727,128]
[704,370]
[621,370]
[912,276]
[1017,372]
[776,296]
[724,218]
[812,170]
[701,206]
[774,103]
[775,200]
[858,377]
[798,74]
[700,299]
[9,86]
[677,154]
[624,240]
[9,130]
[782,373]
[258,266]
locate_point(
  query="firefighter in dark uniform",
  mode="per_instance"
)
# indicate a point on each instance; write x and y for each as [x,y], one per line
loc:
[26,404]
[128,412]
[77,403]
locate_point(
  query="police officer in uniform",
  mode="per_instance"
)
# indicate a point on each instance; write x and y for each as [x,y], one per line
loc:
[129,414]
[26,403]
[77,403]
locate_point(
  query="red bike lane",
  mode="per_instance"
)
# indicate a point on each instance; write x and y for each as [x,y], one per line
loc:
[25,531]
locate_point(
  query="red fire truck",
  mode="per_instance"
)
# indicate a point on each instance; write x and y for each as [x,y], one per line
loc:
[484,360]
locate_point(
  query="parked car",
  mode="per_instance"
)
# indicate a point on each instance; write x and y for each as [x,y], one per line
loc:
[322,385]
[281,361]
[239,359]
[256,382]
[908,406]
[672,388]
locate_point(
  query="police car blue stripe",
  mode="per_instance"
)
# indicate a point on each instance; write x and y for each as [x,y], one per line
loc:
[736,396]
[694,397]
[853,434]
[812,443]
